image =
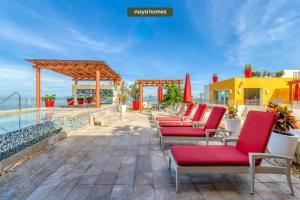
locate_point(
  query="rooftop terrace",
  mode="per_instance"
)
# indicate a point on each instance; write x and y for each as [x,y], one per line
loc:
[123,160]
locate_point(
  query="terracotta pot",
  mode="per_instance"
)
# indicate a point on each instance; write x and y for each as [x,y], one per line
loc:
[49,103]
[80,101]
[215,79]
[71,102]
[90,101]
[135,105]
[248,73]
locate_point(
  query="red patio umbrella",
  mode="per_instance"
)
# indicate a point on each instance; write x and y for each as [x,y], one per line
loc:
[187,93]
[160,95]
[297,92]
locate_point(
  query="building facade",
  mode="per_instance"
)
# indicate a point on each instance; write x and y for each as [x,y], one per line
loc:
[250,91]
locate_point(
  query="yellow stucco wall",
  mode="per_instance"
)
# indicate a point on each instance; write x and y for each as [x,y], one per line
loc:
[271,88]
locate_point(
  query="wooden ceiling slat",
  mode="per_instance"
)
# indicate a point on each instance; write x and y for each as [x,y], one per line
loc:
[154,83]
[76,69]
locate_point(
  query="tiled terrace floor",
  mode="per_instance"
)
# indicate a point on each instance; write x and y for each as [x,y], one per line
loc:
[123,161]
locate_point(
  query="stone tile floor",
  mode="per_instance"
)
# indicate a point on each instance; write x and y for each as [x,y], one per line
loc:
[123,161]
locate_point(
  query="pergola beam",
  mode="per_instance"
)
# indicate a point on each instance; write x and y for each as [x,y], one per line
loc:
[154,83]
[78,70]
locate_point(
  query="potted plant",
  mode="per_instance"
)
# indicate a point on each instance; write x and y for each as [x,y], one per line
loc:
[282,141]
[215,78]
[49,100]
[70,101]
[256,74]
[80,100]
[232,123]
[123,96]
[89,100]
[134,93]
[248,71]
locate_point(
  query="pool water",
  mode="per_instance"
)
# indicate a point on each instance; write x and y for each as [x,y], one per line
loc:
[10,123]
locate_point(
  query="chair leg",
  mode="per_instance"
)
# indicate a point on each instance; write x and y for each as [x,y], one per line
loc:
[252,178]
[177,180]
[169,164]
[162,143]
[288,178]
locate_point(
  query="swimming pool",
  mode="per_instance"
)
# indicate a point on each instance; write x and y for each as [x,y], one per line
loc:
[14,122]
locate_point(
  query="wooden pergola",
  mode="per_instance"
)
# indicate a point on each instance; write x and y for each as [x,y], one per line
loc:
[154,83]
[78,70]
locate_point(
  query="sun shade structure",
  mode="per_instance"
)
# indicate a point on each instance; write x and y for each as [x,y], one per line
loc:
[187,95]
[154,83]
[160,95]
[78,70]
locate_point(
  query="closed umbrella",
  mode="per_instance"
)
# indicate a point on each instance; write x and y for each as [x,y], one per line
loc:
[187,93]
[160,95]
[297,92]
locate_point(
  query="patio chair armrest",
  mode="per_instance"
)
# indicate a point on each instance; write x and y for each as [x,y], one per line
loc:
[185,118]
[197,124]
[256,156]
[227,140]
[217,131]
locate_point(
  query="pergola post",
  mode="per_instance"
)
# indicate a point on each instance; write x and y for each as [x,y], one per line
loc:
[98,97]
[38,87]
[141,96]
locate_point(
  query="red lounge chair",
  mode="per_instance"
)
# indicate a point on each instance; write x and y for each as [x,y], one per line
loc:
[245,157]
[186,115]
[196,119]
[209,129]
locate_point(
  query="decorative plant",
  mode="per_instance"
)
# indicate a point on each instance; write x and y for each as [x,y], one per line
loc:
[256,74]
[173,94]
[215,75]
[248,67]
[49,97]
[285,121]
[70,98]
[80,98]
[123,93]
[134,91]
[232,111]
[279,74]
[89,98]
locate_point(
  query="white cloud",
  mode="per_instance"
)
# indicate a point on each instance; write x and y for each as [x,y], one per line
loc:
[21,36]
[15,77]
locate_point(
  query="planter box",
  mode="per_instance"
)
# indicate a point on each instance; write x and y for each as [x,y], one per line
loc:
[248,73]
[49,104]
[135,105]
[233,125]
[123,108]
[71,103]
[283,144]
[215,79]
[80,101]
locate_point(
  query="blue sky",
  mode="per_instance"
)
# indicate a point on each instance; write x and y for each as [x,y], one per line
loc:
[202,38]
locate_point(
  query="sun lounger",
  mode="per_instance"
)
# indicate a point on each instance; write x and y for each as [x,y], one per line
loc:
[245,157]
[208,131]
[198,115]
[186,115]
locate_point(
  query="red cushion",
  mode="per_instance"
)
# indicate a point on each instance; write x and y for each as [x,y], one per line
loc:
[169,118]
[213,155]
[175,124]
[199,113]
[183,132]
[256,132]
[215,117]
[189,110]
